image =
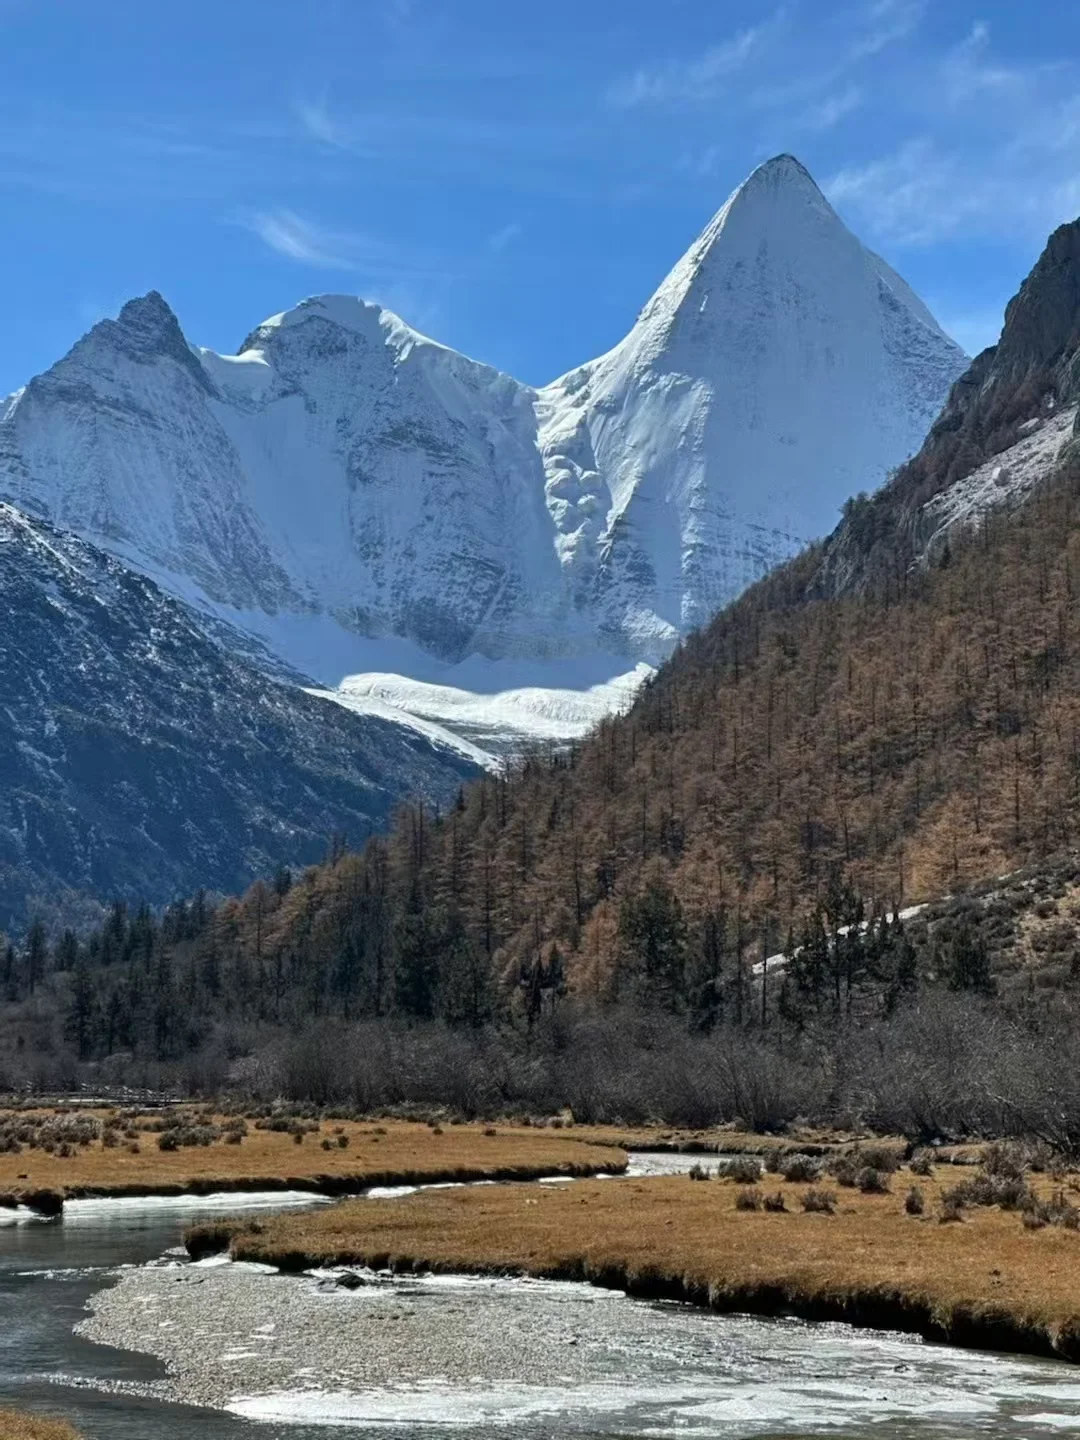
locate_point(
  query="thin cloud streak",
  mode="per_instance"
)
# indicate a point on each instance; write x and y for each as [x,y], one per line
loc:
[697,80]
[499,241]
[1009,168]
[885,23]
[297,239]
[832,110]
[320,124]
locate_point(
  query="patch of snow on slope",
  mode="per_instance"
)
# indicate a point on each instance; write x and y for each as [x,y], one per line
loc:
[495,718]
[1007,479]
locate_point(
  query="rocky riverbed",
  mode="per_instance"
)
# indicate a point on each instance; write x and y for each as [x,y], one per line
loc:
[455,1351]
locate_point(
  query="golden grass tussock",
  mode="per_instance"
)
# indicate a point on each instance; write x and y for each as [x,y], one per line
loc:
[331,1156]
[15,1425]
[988,1280]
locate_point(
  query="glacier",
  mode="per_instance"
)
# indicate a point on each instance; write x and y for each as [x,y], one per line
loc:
[392,523]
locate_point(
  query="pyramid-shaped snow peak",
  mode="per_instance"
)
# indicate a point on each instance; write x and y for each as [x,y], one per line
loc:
[345,484]
[778,369]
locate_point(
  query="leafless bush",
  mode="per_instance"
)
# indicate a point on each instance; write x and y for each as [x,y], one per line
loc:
[820,1202]
[915,1201]
[748,1199]
[799,1169]
[882,1158]
[871,1181]
[743,1169]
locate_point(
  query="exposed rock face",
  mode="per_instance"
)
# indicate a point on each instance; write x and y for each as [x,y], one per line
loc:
[1004,428]
[139,759]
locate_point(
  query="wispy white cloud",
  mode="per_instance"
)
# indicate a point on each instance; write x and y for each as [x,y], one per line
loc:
[834,108]
[998,153]
[883,23]
[503,237]
[299,239]
[318,121]
[695,80]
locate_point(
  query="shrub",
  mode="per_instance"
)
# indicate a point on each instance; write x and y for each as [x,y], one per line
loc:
[234,1138]
[800,1169]
[844,1171]
[922,1163]
[743,1169]
[819,1202]
[298,1137]
[168,1141]
[1005,1159]
[914,1201]
[950,1213]
[748,1198]
[871,1181]
[343,1142]
[1010,1192]
[775,1202]
[883,1158]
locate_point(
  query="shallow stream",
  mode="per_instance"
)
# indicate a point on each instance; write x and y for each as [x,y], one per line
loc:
[100,1322]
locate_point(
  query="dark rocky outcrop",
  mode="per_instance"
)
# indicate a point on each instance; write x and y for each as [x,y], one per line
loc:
[139,759]
[1033,369]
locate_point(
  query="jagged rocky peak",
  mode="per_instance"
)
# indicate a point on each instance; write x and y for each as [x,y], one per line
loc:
[1034,368]
[1042,322]
[145,326]
[1004,431]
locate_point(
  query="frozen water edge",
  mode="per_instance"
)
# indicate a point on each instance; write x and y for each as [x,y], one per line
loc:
[450,1351]
[228,1202]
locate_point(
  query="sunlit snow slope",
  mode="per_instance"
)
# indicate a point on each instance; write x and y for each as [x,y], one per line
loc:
[368,504]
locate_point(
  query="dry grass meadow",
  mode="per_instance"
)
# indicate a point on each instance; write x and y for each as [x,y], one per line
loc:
[119,1153]
[997,1278]
[14,1425]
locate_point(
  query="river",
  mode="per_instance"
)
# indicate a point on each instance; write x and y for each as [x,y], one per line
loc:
[103,1321]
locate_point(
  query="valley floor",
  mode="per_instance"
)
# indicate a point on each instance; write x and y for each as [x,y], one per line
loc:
[986,1277]
[122,1154]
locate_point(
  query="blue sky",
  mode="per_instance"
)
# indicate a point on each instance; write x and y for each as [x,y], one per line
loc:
[513,179]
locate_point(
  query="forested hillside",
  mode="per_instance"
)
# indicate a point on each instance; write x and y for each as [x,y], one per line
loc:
[882,722]
[902,734]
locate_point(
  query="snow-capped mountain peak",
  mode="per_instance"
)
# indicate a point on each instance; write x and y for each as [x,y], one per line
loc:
[777,369]
[361,497]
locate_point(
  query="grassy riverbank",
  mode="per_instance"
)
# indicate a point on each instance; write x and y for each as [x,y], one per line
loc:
[989,1278]
[78,1154]
[15,1425]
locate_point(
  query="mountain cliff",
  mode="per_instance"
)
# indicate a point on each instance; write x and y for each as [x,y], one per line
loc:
[344,482]
[139,759]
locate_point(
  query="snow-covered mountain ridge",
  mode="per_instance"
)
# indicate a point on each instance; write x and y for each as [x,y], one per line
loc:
[361,499]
